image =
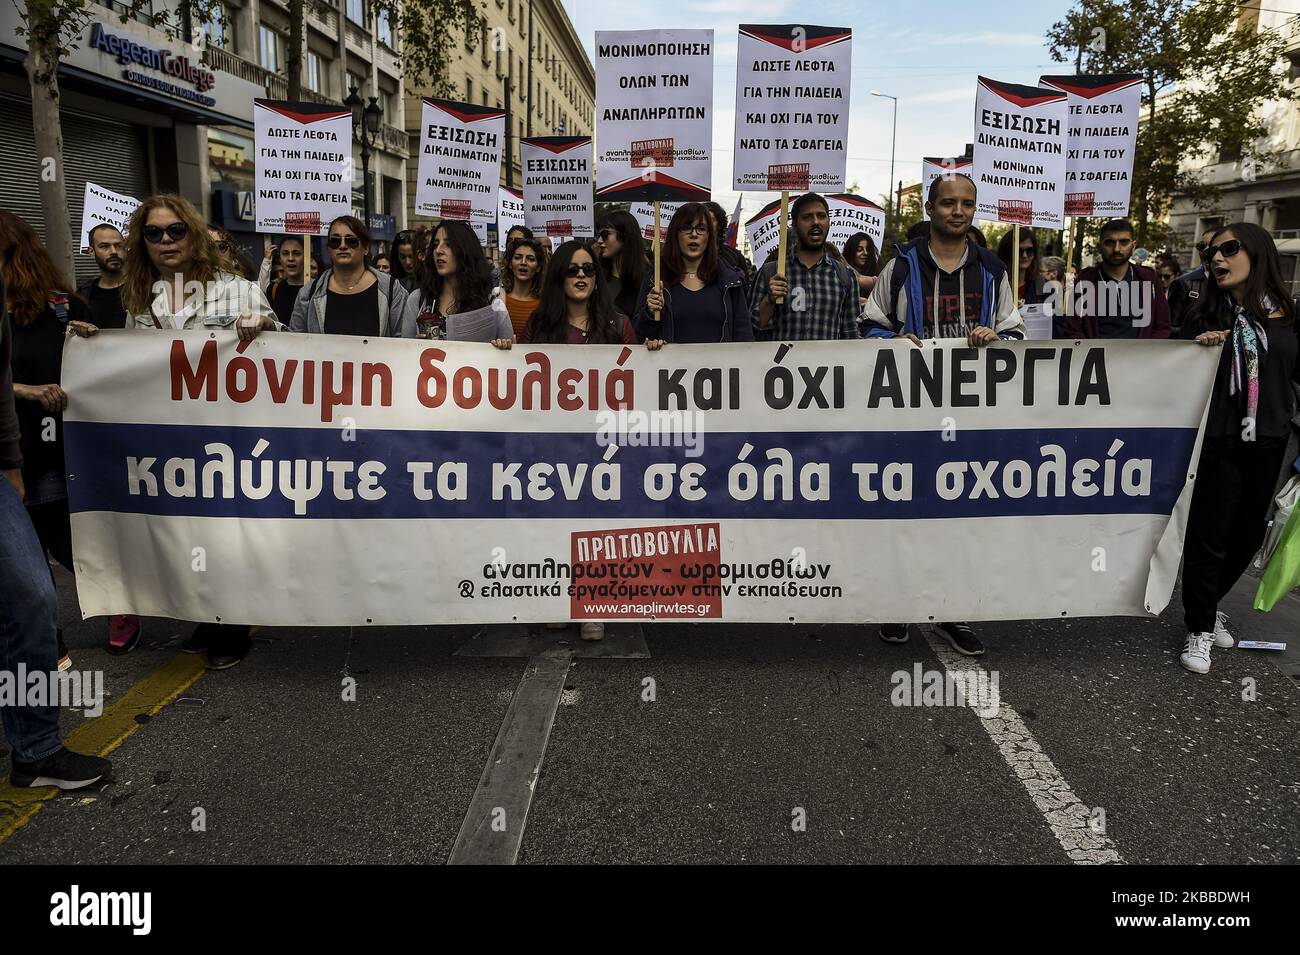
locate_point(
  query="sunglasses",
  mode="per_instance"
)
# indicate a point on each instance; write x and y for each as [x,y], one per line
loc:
[1028,253]
[154,234]
[351,241]
[1229,249]
[574,270]
[604,234]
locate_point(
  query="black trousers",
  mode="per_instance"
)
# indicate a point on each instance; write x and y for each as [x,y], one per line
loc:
[1234,485]
[54,529]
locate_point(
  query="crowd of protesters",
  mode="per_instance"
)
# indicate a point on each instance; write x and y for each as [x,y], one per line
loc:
[943,282]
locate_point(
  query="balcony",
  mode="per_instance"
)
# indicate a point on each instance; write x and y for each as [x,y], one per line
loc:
[275,84]
[357,39]
[394,140]
[324,19]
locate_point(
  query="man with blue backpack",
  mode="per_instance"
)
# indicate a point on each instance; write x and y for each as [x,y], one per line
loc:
[817,298]
[944,285]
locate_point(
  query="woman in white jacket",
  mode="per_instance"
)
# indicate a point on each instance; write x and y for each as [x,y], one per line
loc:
[173,280]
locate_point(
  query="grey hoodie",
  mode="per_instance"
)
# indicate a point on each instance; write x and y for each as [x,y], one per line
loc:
[309,310]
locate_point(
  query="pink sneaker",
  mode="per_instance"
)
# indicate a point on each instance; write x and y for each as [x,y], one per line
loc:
[124,632]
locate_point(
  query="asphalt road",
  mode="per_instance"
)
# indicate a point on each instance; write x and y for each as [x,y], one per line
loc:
[762,744]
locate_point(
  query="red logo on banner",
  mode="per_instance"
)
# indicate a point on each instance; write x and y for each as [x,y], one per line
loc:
[454,209]
[789,177]
[560,227]
[649,580]
[1080,203]
[302,222]
[1016,210]
[652,152]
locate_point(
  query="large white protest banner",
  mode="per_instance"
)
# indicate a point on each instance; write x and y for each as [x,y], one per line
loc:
[100,206]
[557,186]
[1019,161]
[304,166]
[1101,142]
[850,214]
[654,115]
[460,161]
[933,168]
[510,213]
[764,231]
[608,482]
[644,213]
[792,108]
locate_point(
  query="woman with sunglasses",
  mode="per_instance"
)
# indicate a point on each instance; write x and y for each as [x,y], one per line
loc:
[457,278]
[233,259]
[622,259]
[701,297]
[575,310]
[1033,290]
[350,298]
[522,281]
[1246,308]
[177,278]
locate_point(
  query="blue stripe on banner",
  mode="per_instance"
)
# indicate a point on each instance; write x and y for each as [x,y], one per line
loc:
[97,459]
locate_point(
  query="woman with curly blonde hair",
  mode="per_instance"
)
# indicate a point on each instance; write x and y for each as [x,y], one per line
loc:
[176,278]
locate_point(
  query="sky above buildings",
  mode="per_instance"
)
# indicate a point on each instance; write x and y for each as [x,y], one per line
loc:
[928,54]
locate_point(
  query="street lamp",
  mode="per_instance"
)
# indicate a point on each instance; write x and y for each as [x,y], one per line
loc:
[366,121]
[893,139]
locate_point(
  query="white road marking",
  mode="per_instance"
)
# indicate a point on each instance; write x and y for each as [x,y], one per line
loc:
[1064,812]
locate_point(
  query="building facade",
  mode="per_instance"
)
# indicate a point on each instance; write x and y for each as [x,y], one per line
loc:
[137,123]
[526,58]
[1268,196]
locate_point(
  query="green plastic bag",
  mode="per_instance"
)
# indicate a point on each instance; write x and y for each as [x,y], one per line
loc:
[1283,571]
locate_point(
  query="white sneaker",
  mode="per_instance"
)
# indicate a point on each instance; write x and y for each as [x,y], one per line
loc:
[593,631]
[1222,638]
[1196,652]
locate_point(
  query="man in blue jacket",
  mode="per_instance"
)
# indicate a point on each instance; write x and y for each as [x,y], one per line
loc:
[944,285]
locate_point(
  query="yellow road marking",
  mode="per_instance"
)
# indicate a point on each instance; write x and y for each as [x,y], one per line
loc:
[105,733]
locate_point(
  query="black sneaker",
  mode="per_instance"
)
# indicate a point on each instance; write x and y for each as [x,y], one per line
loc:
[65,769]
[962,638]
[230,644]
[894,632]
[199,640]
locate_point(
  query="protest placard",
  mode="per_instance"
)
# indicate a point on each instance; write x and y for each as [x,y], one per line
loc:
[1101,141]
[510,213]
[792,108]
[654,115]
[763,230]
[557,186]
[1019,161]
[102,206]
[460,161]
[644,213]
[303,177]
[933,168]
[850,214]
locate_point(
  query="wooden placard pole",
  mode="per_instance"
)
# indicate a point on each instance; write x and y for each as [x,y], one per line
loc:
[657,255]
[784,239]
[1015,263]
[306,259]
[1065,276]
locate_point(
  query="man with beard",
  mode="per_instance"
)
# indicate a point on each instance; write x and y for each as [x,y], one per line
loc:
[1116,299]
[943,285]
[104,295]
[819,295]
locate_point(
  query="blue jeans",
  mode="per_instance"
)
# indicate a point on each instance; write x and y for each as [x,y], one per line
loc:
[28,621]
